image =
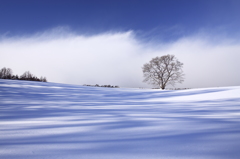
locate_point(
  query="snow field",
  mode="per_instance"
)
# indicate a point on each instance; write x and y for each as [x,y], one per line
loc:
[48,120]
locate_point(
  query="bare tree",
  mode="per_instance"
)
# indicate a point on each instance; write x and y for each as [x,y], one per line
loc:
[6,73]
[27,76]
[43,79]
[164,70]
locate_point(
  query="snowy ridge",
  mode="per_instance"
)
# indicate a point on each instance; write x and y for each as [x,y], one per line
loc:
[48,120]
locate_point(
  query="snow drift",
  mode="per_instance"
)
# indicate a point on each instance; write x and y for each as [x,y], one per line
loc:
[49,120]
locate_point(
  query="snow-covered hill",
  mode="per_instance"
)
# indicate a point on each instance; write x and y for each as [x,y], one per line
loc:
[48,120]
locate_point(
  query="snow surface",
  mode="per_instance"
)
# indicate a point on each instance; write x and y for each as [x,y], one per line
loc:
[48,120]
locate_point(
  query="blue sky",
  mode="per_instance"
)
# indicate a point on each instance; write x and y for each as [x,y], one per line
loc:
[165,19]
[85,42]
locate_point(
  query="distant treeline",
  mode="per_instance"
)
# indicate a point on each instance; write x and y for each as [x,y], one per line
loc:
[101,86]
[6,73]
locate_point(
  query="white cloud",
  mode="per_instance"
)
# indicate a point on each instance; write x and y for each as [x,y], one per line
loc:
[116,58]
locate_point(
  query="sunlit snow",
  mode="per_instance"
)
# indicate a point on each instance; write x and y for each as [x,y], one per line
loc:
[48,120]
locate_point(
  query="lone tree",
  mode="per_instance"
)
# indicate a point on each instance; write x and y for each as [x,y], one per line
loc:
[164,70]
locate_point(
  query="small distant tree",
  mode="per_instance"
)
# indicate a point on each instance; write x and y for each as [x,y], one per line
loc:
[27,76]
[164,70]
[6,73]
[43,79]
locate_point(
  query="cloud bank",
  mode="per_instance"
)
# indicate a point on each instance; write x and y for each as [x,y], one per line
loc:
[116,58]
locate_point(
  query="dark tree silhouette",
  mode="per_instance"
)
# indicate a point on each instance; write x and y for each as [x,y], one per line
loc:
[6,73]
[27,76]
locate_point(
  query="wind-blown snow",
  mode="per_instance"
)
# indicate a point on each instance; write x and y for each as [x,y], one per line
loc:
[48,120]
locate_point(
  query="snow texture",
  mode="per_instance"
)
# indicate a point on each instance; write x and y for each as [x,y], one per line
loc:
[49,120]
